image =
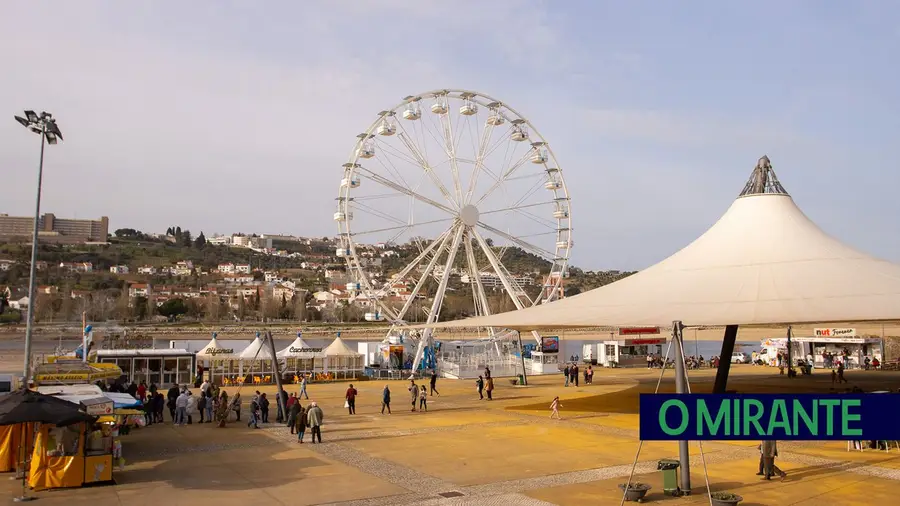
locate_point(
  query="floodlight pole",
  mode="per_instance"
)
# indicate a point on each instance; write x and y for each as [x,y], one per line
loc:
[32,272]
[684,456]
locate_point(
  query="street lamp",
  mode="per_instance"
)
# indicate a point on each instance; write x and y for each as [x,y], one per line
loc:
[45,126]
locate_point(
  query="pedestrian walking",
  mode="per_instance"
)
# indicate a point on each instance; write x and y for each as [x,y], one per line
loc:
[567,373]
[303,381]
[191,407]
[314,419]
[414,393]
[351,399]
[769,450]
[263,403]
[554,408]
[434,382]
[840,373]
[479,384]
[254,413]
[489,388]
[386,400]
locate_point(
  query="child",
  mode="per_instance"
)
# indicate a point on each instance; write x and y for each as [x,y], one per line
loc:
[554,408]
[833,377]
[423,399]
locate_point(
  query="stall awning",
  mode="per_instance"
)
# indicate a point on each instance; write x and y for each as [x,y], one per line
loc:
[299,349]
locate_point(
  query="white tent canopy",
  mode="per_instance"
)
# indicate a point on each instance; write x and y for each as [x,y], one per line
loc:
[213,350]
[256,351]
[763,263]
[339,348]
[299,349]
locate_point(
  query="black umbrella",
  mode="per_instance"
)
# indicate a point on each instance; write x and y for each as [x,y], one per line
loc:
[27,406]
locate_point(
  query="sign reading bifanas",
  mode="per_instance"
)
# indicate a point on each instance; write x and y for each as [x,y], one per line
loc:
[636,331]
[834,332]
[219,351]
[305,350]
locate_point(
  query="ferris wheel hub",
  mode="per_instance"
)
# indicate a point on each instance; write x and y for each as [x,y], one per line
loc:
[469,215]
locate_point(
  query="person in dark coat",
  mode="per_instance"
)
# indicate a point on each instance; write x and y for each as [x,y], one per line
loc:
[264,408]
[172,396]
[300,422]
[293,412]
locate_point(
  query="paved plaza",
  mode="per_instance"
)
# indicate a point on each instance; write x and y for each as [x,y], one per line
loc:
[470,452]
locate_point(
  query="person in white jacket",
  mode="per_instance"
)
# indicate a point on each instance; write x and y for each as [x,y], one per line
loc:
[181,403]
[191,407]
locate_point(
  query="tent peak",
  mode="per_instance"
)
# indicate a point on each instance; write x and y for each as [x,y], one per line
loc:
[763,180]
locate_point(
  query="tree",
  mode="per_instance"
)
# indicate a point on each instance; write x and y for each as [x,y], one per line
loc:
[186,239]
[140,308]
[173,308]
[177,233]
[200,242]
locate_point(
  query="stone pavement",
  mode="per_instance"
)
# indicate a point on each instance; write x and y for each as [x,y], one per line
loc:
[470,452]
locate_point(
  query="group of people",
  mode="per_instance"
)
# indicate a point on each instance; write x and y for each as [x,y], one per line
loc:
[571,374]
[485,385]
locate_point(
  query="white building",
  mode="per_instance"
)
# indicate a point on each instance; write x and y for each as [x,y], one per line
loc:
[219,240]
[139,290]
[240,240]
[147,269]
[242,268]
[182,268]
[6,264]
[119,269]
[226,268]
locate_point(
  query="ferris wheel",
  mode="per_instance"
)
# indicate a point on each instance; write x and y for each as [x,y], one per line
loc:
[472,196]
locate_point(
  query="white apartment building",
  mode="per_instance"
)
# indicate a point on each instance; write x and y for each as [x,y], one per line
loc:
[226,268]
[242,268]
[147,269]
[492,280]
[219,240]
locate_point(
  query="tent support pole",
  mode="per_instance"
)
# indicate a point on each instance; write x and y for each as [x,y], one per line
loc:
[277,373]
[522,356]
[684,456]
[790,361]
[725,359]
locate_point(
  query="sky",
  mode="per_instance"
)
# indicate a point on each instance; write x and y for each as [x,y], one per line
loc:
[236,116]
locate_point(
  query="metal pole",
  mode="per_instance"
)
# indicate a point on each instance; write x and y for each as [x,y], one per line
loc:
[728,341]
[522,355]
[29,322]
[790,362]
[681,388]
[277,373]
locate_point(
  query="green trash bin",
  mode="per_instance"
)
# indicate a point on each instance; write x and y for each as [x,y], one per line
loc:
[669,468]
[521,379]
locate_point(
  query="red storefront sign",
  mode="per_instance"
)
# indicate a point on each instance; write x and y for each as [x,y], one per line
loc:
[634,331]
[646,341]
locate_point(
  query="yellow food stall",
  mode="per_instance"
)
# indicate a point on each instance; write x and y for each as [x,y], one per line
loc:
[76,455]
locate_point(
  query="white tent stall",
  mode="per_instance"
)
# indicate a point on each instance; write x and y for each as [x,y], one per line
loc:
[341,361]
[300,358]
[256,363]
[763,263]
[217,359]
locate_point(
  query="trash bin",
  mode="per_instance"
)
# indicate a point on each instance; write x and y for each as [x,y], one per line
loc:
[521,379]
[669,468]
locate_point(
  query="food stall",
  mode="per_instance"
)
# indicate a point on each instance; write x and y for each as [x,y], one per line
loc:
[341,361]
[300,358]
[217,359]
[631,351]
[844,344]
